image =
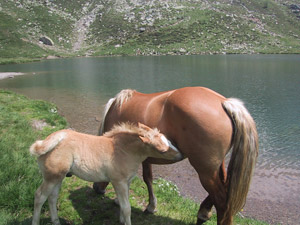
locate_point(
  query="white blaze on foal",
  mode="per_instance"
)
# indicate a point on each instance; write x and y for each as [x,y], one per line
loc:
[113,157]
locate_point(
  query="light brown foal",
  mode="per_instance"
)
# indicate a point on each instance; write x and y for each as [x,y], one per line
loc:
[114,157]
[204,125]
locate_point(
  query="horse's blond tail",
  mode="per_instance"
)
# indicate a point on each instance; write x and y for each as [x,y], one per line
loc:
[42,147]
[243,157]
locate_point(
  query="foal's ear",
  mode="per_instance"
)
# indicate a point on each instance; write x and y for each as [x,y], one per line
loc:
[144,139]
[144,127]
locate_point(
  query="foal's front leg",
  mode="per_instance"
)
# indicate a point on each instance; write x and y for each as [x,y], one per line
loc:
[122,191]
[148,179]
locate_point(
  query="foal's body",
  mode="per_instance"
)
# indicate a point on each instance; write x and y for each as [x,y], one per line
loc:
[204,125]
[114,157]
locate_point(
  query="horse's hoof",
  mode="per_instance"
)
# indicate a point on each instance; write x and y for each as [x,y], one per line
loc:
[146,211]
[200,221]
[116,201]
[69,174]
[98,190]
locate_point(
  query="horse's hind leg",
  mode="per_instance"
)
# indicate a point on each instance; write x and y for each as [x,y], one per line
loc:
[41,196]
[148,179]
[52,200]
[217,193]
[205,211]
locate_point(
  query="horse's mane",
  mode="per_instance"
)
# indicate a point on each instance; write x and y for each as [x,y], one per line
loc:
[123,96]
[131,129]
[119,99]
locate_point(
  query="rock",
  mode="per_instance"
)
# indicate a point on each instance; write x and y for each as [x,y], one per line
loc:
[295,7]
[52,57]
[38,124]
[46,41]
[182,51]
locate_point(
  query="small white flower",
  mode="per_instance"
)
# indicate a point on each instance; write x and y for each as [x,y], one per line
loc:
[53,110]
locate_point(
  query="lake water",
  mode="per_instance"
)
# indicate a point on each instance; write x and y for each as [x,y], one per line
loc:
[268,84]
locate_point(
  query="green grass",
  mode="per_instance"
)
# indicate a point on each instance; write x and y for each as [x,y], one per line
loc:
[78,203]
[18,171]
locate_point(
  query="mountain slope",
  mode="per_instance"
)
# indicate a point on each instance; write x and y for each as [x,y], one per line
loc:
[143,27]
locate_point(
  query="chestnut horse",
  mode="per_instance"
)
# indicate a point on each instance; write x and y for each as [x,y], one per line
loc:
[205,126]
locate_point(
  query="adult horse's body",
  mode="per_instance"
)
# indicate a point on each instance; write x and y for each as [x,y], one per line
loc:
[204,125]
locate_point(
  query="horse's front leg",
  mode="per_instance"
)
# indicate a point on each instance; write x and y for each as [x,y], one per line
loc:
[100,187]
[148,179]
[122,191]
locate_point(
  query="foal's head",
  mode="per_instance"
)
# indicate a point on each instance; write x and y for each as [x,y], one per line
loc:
[152,142]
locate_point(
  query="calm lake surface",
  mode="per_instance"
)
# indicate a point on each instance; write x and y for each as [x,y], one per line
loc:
[268,84]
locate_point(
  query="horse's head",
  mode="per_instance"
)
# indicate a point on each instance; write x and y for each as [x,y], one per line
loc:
[159,145]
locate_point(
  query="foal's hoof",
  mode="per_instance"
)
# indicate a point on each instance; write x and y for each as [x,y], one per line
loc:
[98,190]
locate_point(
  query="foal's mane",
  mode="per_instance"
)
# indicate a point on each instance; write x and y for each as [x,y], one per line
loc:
[131,128]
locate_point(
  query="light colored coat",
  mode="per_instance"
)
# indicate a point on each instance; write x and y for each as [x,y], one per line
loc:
[113,157]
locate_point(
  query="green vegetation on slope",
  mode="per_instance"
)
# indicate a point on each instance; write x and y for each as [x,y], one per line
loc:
[21,27]
[119,27]
[78,203]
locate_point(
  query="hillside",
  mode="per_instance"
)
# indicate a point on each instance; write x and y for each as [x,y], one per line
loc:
[143,27]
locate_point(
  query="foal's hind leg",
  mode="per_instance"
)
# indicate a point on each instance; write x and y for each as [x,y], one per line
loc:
[52,200]
[41,196]
[148,179]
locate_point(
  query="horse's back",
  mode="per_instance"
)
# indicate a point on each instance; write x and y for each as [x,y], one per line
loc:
[192,117]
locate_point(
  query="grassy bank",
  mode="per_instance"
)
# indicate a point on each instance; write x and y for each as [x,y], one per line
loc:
[22,121]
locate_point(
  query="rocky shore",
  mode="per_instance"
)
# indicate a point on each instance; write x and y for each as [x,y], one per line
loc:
[4,75]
